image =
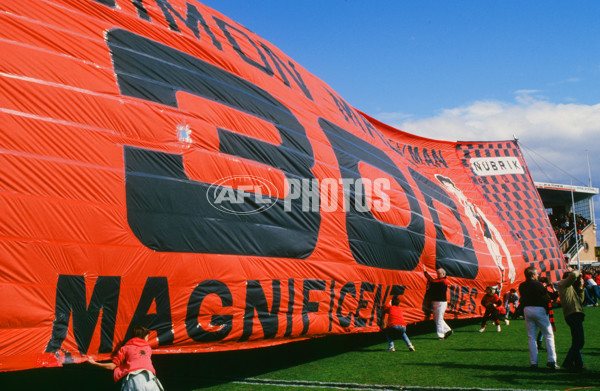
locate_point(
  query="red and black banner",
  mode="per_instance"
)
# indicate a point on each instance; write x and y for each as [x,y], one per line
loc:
[163,166]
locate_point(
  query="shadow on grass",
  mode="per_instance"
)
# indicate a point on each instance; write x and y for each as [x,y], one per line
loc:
[187,372]
[192,371]
[520,376]
[591,351]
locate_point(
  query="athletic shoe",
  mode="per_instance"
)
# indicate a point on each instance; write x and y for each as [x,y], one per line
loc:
[448,333]
[498,329]
[482,329]
[533,366]
[552,365]
[390,350]
[506,322]
[411,348]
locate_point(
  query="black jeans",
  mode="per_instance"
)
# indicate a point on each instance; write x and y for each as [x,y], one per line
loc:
[574,359]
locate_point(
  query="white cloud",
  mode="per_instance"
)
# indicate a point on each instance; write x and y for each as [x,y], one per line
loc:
[557,137]
[569,80]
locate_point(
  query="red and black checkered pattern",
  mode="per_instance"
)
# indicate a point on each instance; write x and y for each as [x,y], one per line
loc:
[519,205]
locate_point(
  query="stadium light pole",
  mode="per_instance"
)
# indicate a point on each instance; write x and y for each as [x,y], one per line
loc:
[592,197]
[575,226]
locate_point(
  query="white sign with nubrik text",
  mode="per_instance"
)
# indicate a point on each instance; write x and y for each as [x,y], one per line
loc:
[483,166]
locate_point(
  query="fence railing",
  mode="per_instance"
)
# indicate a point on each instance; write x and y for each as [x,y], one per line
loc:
[569,245]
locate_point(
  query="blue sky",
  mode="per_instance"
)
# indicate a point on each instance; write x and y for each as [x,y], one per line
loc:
[468,70]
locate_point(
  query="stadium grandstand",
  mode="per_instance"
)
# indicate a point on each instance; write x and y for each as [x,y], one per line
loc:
[571,212]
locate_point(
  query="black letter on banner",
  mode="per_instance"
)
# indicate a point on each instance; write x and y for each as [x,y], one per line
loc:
[110,3]
[156,290]
[372,242]
[295,75]
[458,261]
[349,288]
[265,67]
[193,18]
[169,212]
[362,303]
[194,329]
[464,295]
[307,305]
[70,297]
[256,301]
[290,312]
[141,10]
[331,303]
[377,305]
[453,303]
[472,296]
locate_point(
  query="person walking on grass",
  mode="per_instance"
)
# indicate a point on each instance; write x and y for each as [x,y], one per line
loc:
[553,294]
[133,365]
[571,290]
[535,299]
[438,288]
[394,324]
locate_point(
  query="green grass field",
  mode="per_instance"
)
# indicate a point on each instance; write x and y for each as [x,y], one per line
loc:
[468,360]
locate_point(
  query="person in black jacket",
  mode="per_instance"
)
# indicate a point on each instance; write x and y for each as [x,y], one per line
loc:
[438,288]
[535,300]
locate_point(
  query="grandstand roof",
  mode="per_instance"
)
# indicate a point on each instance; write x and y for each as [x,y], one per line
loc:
[556,194]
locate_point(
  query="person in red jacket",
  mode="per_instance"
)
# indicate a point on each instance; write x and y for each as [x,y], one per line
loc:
[133,364]
[492,304]
[395,324]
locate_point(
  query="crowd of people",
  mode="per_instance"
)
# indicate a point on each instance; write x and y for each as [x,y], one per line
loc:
[563,225]
[534,301]
[591,278]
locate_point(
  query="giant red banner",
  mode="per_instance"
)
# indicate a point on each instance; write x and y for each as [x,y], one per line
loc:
[161,165]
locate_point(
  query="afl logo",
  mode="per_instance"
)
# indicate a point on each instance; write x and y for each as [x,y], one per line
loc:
[242,195]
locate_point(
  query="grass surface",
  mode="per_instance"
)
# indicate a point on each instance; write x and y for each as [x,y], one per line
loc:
[467,359]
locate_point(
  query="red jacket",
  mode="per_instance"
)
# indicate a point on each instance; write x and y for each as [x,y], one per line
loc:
[487,301]
[135,354]
[395,315]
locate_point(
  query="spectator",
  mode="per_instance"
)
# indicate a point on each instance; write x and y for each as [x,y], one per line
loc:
[535,300]
[592,289]
[571,289]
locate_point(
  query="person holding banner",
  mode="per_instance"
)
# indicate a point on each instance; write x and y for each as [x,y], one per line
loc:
[492,304]
[394,324]
[438,291]
[511,297]
[133,365]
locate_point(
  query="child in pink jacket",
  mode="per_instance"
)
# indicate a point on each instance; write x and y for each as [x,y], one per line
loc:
[133,364]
